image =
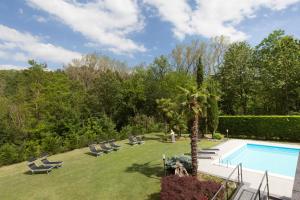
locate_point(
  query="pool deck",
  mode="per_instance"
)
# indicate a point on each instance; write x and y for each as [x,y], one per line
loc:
[296,188]
[279,185]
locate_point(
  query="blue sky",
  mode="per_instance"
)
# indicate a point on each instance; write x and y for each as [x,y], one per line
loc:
[134,31]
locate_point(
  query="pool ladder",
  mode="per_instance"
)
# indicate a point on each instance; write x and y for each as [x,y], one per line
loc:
[228,162]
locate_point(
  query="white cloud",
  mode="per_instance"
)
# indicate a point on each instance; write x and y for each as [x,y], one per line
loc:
[214,17]
[21,46]
[105,22]
[40,19]
[12,67]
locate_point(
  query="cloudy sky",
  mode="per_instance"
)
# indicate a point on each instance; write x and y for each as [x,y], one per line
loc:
[135,31]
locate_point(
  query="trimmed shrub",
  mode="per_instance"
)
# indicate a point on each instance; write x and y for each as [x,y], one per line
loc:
[186,161]
[187,188]
[217,136]
[262,127]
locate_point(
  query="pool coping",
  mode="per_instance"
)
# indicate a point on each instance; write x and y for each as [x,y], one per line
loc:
[217,161]
[279,185]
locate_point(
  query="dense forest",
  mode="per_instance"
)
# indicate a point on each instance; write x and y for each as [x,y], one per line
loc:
[97,98]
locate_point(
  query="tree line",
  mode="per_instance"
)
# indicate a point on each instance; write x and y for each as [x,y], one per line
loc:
[98,98]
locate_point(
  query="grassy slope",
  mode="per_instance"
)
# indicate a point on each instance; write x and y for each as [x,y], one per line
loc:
[130,173]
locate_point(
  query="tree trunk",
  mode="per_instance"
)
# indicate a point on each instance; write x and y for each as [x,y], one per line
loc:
[194,140]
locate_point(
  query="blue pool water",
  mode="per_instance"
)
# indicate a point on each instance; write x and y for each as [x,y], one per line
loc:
[278,160]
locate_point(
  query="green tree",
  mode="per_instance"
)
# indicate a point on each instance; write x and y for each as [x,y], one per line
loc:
[277,58]
[212,108]
[236,77]
[167,107]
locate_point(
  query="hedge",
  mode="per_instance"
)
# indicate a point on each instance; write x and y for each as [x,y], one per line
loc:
[261,127]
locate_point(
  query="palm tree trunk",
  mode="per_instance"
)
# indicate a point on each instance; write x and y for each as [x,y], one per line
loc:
[194,140]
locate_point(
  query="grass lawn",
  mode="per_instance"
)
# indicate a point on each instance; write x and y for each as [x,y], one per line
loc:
[131,173]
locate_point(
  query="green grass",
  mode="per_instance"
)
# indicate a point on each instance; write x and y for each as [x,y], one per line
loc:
[131,173]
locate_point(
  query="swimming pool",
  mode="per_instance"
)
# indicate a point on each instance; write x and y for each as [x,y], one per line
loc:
[275,159]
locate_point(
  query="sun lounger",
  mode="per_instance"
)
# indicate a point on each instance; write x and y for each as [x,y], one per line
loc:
[113,145]
[139,140]
[34,168]
[204,157]
[132,140]
[55,164]
[115,148]
[105,148]
[95,151]
[210,149]
[207,152]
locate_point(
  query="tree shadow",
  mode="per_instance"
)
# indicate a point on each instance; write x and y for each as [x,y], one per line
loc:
[147,169]
[154,196]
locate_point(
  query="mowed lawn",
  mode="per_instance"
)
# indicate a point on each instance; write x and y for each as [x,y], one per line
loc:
[131,173]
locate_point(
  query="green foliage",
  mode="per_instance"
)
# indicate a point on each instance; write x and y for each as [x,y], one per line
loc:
[98,98]
[278,58]
[262,127]
[186,161]
[212,108]
[217,136]
[8,154]
[52,144]
[199,73]
[31,149]
[237,78]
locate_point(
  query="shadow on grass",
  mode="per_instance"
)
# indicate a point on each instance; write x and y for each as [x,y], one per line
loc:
[157,137]
[147,169]
[154,196]
[36,173]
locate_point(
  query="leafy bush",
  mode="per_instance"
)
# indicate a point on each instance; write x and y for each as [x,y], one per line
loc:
[31,149]
[217,136]
[186,161]
[187,188]
[144,124]
[73,141]
[8,154]
[262,127]
[125,132]
[52,144]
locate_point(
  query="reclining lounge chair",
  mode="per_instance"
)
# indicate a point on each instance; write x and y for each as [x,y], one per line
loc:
[113,144]
[132,140]
[105,148]
[95,151]
[139,140]
[46,162]
[39,169]
[207,152]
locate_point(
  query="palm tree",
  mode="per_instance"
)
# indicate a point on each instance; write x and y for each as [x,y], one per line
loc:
[195,103]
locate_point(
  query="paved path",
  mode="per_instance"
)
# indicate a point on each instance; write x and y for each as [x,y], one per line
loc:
[279,186]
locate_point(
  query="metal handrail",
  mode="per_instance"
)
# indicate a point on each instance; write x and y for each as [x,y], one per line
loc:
[258,193]
[224,186]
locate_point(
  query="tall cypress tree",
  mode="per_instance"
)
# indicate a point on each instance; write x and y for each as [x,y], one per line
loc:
[199,81]
[199,73]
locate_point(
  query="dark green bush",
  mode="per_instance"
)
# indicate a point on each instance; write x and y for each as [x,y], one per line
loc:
[262,127]
[31,149]
[52,144]
[8,154]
